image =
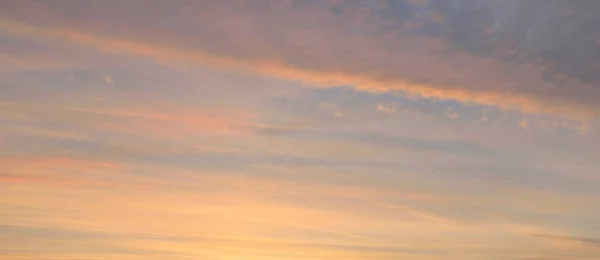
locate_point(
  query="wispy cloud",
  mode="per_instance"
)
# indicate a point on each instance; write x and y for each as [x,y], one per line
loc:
[18,62]
[108,79]
[321,58]
[388,109]
[584,241]
[36,170]
[164,120]
[298,130]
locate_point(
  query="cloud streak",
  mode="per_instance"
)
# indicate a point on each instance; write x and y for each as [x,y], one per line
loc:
[297,129]
[160,120]
[332,55]
[584,241]
[52,171]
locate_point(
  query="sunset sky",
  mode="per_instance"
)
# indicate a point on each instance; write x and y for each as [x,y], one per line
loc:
[300,129]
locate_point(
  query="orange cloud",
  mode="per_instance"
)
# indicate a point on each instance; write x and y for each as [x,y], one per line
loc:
[159,121]
[42,180]
[15,163]
[53,170]
[328,77]
[198,213]
[143,121]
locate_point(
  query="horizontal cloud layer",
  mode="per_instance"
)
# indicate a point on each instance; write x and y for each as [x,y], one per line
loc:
[298,129]
[323,44]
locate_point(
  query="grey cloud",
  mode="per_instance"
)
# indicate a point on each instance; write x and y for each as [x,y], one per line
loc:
[529,55]
[586,241]
[562,34]
[382,140]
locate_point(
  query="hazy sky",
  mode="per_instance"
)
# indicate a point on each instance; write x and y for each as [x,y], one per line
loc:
[300,129]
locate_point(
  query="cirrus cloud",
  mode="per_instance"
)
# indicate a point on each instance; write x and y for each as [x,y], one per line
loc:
[320,45]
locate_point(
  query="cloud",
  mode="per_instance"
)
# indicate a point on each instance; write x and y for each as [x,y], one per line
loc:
[16,179]
[108,79]
[157,121]
[436,219]
[13,163]
[523,124]
[585,241]
[341,49]
[381,140]
[133,245]
[43,170]
[451,114]
[388,109]
[172,122]
[153,174]
[20,62]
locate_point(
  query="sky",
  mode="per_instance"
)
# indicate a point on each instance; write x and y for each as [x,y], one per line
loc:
[300,129]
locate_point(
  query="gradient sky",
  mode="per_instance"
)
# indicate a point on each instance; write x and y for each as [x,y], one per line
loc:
[300,129]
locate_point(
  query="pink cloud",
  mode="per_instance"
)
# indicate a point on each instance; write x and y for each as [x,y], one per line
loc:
[42,170]
[314,47]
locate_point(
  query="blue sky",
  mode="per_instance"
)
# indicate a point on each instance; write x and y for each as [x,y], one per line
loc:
[299,130]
